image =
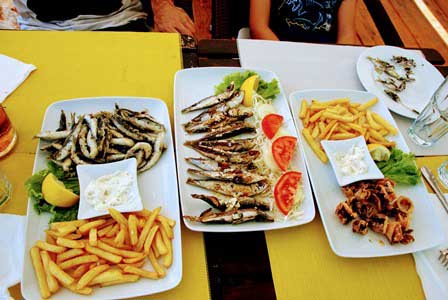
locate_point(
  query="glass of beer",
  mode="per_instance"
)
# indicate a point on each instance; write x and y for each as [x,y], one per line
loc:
[8,134]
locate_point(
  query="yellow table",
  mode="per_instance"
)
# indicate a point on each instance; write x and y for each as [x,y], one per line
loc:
[86,64]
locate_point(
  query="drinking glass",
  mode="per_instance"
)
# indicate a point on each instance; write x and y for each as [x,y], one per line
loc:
[443,173]
[432,123]
[5,190]
[8,134]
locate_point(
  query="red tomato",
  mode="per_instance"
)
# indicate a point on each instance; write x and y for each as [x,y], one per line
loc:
[285,190]
[282,150]
[270,124]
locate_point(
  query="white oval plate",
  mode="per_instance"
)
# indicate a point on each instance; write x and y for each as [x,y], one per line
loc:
[427,229]
[416,94]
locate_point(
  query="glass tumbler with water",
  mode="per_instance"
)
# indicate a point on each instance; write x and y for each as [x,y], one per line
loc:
[432,123]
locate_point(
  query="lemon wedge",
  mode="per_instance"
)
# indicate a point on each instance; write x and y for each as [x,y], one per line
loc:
[250,86]
[378,152]
[55,193]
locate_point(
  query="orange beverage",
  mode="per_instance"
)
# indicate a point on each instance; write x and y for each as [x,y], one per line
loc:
[8,135]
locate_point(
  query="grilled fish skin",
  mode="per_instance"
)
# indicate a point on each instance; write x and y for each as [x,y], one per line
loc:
[211,100]
[232,203]
[229,130]
[235,176]
[236,216]
[227,156]
[230,188]
[212,165]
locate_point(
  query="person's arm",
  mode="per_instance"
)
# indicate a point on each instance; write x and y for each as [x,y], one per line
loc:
[169,18]
[346,22]
[259,20]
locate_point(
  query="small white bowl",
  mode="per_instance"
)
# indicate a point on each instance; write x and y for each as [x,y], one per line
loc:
[333,147]
[88,173]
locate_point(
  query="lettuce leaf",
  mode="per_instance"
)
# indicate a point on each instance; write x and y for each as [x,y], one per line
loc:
[400,167]
[267,90]
[34,188]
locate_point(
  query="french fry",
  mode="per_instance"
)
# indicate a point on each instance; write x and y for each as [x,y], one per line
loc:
[384,123]
[69,243]
[141,272]
[170,222]
[84,229]
[146,229]
[303,109]
[124,279]
[68,254]
[314,146]
[337,117]
[315,132]
[64,230]
[145,213]
[53,285]
[78,261]
[73,236]
[167,228]
[343,136]
[104,254]
[368,104]
[83,291]
[159,244]
[155,264]
[141,223]
[60,275]
[50,239]
[374,134]
[168,258]
[90,275]
[150,238]
[103,231]
[316,116]
[115,229]
[155,251]
[137,264]
[80,270]
[117,216]
[336,101]
[327,128]
[106,276]
[76,223]
[371,121]
[133,234]
[306,120]
[93,237]
[119,239]
[332,129]
[40,272]
[49,247]
[109,221]
[125,253]
[134,259]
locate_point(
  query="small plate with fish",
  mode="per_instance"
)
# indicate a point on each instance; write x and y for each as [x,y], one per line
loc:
[403,79]
[238,152]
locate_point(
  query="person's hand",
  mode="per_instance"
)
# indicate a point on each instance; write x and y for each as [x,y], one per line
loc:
[169,18]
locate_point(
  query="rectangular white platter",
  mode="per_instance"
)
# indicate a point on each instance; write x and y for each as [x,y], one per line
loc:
[427,229]
[158,187]
[192,85]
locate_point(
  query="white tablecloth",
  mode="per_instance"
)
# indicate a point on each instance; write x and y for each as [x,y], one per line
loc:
[312,66]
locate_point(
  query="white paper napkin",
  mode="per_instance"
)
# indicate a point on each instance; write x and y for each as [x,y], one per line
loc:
[433,275]
[12,241]
[12,73]
[312,66]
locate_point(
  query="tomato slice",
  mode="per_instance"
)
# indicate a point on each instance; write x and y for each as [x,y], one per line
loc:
[282,150]
[285,190]
[271,124]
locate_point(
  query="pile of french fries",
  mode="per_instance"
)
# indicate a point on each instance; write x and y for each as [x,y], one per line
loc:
[340,119]
[104,251]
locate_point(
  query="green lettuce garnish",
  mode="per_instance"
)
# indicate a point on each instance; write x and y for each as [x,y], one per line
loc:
[34,188]
[267,90]
[400,167]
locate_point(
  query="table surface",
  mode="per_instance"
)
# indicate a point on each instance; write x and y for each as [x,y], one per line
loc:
[294,263]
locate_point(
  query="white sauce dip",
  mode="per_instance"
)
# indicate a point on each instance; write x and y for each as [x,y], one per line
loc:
[352,162]
[110,190]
